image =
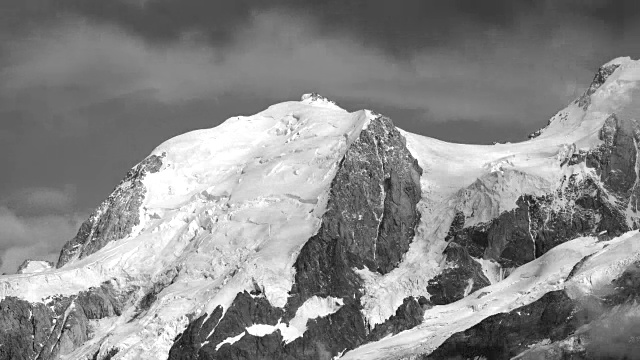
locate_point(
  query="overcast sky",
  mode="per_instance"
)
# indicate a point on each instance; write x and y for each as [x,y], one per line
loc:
[90,87]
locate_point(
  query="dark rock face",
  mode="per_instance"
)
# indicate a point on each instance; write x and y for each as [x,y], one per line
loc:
[510,240]
[370,220]
[57,327]
[505,335]
[615,160]
[536,226]
[585,100]
[625,289]
[24,328]
[108,356]
[599,325]
[115,217]
[327,336]
[410,314]
[187,345]
[370,217]
[473,238]
[462,276]
[615,163]
[601,76]
[99,303]
[245,311]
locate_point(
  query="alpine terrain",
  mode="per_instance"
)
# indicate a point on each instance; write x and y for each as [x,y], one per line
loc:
[309,232]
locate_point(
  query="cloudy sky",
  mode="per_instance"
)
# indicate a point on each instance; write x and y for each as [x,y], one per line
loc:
[90,87]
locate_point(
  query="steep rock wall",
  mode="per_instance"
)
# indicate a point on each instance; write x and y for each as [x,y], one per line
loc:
[115,217]
[46,331]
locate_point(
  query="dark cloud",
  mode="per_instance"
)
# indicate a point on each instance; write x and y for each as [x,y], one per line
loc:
[166,20]
[398,26]
[391,24]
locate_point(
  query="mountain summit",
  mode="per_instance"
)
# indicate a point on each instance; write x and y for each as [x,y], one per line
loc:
[309,232]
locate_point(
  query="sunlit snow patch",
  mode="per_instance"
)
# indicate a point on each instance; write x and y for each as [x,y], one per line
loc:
[230,340]
[313,308]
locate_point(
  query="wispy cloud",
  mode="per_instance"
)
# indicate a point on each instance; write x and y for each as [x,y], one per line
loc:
[280,56]
[35,223]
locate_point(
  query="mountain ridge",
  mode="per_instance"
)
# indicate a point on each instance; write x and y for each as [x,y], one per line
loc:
[306,231]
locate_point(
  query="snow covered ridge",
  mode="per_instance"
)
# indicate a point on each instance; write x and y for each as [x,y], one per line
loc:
[316,232]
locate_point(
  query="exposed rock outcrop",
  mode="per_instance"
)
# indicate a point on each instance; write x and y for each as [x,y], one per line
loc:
[24,328]
[556,327]
[370,217]
[503,336]
[601,76]
[538,224]
[115,217]
[45,331]
[407,316]
[587,206]
[461,276]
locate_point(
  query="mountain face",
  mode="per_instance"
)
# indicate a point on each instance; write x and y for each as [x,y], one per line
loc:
[308,232]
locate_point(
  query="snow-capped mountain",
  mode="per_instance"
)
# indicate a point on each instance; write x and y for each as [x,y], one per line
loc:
[309,232]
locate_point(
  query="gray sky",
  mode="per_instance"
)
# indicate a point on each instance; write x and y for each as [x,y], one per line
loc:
[90,87]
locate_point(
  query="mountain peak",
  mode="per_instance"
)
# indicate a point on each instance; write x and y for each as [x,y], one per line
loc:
[619,61]
[610,92]
[319,100]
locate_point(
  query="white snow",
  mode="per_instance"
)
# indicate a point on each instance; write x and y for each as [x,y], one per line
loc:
[260,329]
[35,266]
[231,340]
[311,309]
[491,269]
